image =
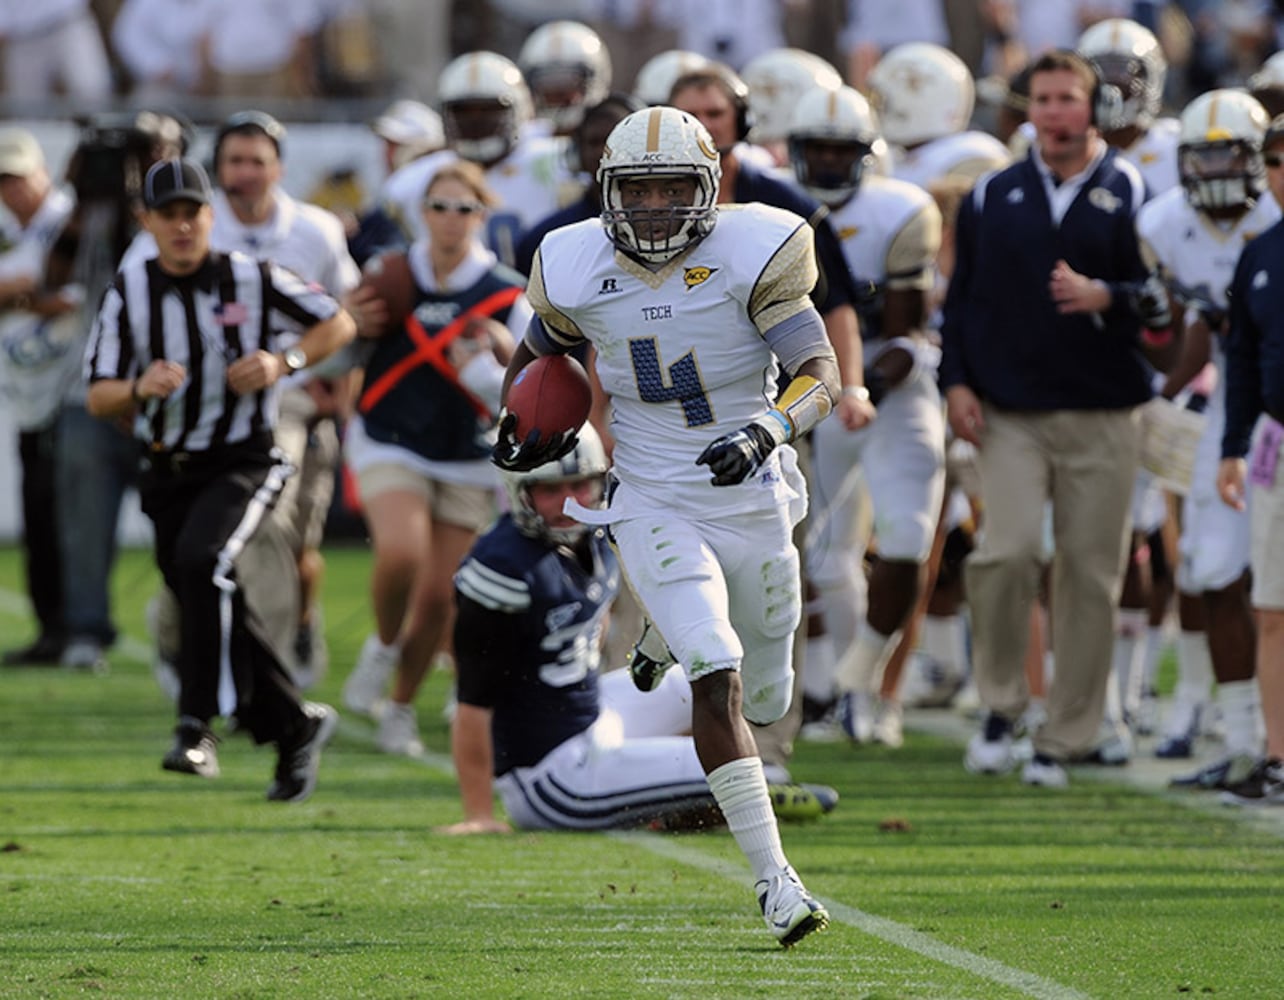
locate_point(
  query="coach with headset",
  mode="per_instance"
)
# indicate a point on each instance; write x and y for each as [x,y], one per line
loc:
[1047,331]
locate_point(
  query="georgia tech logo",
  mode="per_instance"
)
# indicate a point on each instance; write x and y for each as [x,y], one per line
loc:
[709,151]
[1101,198]
[692,276]
[847,232]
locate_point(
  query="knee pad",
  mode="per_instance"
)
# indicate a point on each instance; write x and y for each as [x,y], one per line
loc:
[781,608]
[767,702]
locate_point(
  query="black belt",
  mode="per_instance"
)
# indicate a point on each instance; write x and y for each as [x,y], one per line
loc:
[174,462]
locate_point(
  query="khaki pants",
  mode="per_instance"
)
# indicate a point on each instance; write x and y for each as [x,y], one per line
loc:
[1084,462]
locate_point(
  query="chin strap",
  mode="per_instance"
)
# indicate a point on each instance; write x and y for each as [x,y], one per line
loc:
[804,404]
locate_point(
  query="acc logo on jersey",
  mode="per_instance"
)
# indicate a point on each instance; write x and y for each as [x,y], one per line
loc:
[847,232]
[1104,200]
[692,276]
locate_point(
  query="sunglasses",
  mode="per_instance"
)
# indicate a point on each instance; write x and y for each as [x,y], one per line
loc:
[459,207]
[1273,159]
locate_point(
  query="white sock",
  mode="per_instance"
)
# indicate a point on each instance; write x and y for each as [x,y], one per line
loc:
[843,608]
[1240,702]
[818,669]
[1126,661]
[944,639]
[740,790]
[1194,679]
[862,666]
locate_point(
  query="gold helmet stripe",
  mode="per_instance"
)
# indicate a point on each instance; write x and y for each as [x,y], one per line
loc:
[653,130]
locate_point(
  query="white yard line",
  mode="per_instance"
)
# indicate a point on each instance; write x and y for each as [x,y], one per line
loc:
[1139,774]
[880,927]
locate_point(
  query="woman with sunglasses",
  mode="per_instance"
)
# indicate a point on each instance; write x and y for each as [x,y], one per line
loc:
[420,443]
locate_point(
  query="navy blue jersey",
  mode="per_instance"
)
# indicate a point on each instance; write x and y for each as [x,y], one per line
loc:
[528,634]
[1255,345]
[411,396]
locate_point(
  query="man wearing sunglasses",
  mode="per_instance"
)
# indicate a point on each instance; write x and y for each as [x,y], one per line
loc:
[1196,234]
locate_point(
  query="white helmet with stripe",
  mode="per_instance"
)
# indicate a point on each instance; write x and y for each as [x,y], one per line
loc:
[1128,56]
[567,69]
[658,74]
[484,104]
[832,142]
[659,142]
[921,92]
[1219,152]
[776,81]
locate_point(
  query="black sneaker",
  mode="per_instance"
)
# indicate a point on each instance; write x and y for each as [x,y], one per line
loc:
[646,671]
[1220,774]
[1263,787]
[299,759]
[194,750]
[44,652]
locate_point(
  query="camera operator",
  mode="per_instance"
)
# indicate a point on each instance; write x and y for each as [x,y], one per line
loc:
[96,461]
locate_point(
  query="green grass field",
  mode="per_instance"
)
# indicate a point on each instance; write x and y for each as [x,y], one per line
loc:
[120,880]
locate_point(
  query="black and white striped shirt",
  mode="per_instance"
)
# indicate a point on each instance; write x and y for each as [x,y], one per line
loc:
[232,306]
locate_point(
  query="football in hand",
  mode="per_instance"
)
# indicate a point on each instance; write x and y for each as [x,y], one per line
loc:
[550,395]
[389,277]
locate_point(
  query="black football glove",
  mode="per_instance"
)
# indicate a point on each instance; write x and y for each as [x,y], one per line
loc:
[735,457]
[513,455]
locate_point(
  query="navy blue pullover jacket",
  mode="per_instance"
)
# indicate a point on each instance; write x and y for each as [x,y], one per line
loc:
[1255,344]
[1002,335]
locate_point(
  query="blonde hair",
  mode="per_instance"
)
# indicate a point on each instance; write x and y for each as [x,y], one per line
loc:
[468,174]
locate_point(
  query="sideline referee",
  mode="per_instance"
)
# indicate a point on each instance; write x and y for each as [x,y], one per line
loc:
[184,345]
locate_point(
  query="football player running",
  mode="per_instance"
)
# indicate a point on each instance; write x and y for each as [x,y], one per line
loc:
[1196,233]
[693,309]
[890,232]
[569,749]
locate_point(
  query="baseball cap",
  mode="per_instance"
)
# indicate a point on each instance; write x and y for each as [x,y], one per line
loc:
[20,154]
[176,180]
[410,123]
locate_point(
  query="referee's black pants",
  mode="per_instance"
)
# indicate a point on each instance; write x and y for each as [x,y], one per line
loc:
[205,506]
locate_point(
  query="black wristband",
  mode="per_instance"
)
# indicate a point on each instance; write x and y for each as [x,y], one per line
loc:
[134,394]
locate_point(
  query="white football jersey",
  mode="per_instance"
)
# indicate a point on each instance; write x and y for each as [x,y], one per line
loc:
[1155,155]
[963,154]
[530,183]
[1200,256]
[890,232]
[681,350]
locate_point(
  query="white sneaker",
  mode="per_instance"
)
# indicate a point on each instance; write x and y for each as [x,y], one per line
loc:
[365,686]
[399,730]
[990,750]
[1045,773]
[889,727]
[85,654]
[789,909]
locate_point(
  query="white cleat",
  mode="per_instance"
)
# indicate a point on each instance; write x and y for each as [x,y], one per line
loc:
[789,909]
[399,730]
[365,686]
